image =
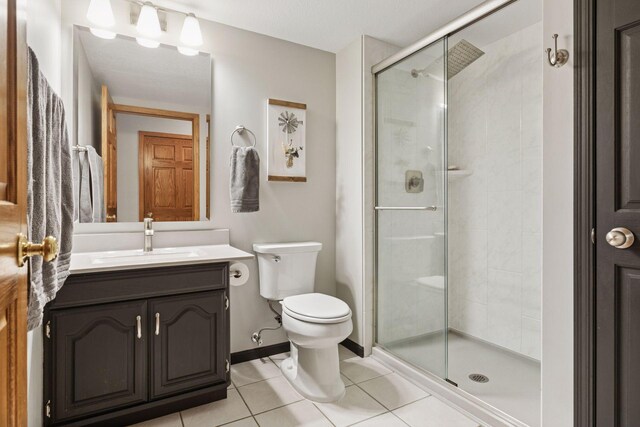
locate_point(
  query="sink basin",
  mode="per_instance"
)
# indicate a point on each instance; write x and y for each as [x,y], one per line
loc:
[87,262]
[142,257]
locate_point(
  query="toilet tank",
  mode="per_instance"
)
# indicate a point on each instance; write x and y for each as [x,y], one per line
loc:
[286,269]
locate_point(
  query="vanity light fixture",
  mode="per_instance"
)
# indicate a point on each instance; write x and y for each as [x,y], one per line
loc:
[191,35]
[188,51]
[144,42]
[148,22]
[100,15]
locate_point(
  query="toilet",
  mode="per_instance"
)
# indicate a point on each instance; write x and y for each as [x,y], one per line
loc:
[315,323]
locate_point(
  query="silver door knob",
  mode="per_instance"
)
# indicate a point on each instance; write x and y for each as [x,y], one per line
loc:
[620,238]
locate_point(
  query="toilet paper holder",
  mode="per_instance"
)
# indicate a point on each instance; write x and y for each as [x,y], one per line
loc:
[236,274]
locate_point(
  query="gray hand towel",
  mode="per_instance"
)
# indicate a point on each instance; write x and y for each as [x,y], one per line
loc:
[85,206]
[50,188]
[96,167]
[244,180]
[75,171]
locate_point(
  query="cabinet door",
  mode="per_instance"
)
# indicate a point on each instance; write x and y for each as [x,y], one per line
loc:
[188,342]
[100,355]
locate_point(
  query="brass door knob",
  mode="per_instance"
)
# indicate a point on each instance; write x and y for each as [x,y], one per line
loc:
[48,249]
[620,238]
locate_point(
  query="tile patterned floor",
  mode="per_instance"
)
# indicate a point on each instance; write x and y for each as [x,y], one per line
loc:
[261,396]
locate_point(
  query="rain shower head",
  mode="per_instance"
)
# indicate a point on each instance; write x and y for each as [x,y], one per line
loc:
[459,57]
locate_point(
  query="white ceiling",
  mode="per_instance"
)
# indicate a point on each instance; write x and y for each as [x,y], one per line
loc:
[160,77]
[330,24]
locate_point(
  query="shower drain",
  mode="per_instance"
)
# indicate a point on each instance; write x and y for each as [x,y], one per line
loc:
[479,378]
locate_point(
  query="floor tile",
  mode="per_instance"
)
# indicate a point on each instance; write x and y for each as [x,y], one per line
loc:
[431,412]
[253,371]
[347,382]
[216,413]
[245,422]
[345,353]
[384,420]
[358,369]
[269,394]
[393,391]
[172,420]
[354,407]
[302,413]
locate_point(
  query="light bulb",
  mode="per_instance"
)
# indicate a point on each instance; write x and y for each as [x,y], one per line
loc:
[191,35]
[103,34]
[152,44]
[148,23]
[100,13]
[188,51]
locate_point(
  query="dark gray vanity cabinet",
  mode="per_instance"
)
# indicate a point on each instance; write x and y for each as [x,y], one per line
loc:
[125,346]
[185,334]
[100,363]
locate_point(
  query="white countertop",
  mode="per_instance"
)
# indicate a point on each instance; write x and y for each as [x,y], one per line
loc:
[91,262]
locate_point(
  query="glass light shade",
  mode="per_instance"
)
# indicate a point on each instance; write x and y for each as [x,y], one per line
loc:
[100,13]
[152,44]
[191,35]
[103,34]
[148,23]
[188,51]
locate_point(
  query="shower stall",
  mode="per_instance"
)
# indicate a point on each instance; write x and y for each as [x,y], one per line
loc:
[458,207]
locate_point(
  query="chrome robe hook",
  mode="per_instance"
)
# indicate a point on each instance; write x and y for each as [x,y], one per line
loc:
[559,57]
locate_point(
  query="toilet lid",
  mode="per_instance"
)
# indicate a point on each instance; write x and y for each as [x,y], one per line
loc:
[316,306]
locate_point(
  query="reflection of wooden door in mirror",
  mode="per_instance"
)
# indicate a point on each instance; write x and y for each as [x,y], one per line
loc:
[109,155]
[166,177]
[13,208]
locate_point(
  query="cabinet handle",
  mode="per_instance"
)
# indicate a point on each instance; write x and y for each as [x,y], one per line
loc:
[139,326]
[157,323]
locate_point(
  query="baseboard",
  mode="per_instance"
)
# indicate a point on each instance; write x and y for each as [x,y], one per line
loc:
[353,346]
[259,352]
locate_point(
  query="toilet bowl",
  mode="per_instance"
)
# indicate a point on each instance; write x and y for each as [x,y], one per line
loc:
[315,324]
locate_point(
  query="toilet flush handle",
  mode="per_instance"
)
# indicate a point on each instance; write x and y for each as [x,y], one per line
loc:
[276,258]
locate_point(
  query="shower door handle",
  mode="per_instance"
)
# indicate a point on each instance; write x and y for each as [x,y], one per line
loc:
[406,208]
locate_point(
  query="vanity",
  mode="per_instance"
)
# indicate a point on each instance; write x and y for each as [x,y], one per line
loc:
[133,336]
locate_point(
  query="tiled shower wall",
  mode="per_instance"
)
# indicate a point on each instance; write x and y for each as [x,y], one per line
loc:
[495,214]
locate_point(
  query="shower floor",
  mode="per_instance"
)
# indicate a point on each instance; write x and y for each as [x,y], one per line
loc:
[514,381]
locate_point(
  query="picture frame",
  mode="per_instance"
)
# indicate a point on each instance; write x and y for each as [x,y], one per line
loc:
[286,141]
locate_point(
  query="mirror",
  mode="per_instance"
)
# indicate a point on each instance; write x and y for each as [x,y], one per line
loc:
[142,131]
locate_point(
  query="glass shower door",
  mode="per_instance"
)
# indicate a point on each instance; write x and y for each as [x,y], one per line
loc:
[410,209]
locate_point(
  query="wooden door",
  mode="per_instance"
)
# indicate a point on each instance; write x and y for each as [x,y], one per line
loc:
[99,358]
[13,201]
[617,293]
[166,177]
[188,334]
[109,155]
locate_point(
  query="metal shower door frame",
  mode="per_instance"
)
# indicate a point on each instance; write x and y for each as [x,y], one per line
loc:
[474,15]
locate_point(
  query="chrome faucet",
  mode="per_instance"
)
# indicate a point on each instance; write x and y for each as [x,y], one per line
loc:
[148,234]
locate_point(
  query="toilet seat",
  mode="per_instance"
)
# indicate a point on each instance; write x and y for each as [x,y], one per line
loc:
[316,308]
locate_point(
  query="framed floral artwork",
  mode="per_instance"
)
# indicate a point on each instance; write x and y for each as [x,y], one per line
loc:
[286,130]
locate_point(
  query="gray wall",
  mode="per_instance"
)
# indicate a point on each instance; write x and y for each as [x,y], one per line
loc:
[89,92]
[249,68]
[557,223]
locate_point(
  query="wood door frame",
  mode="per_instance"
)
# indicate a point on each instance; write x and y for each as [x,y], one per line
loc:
[195,134]
[141,136]
[584,213]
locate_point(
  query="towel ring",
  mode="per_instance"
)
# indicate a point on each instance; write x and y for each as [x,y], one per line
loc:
[240,130]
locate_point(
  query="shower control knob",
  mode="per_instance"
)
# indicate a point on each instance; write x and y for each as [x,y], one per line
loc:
[620,238]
